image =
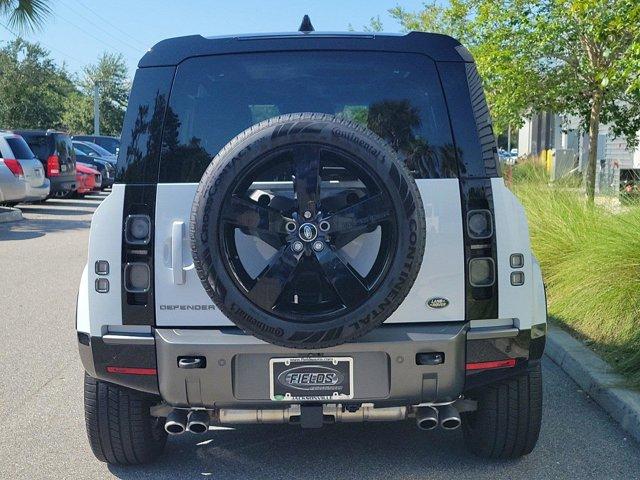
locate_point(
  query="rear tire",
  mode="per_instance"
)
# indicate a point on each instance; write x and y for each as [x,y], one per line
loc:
[120,428]
[507,422]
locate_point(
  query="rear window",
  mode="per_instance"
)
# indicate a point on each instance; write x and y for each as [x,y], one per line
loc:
[64,146]
[40,145]
[19,148]
[397,95]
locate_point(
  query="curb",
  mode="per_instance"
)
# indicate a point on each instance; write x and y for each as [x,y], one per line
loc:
[596,378]
[8,214]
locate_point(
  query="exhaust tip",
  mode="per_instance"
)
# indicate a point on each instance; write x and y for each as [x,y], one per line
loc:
[174,428]
[428,424]
[198,421]
[197,427]
[176,422]
[449,417]
[427,418]
[451,423]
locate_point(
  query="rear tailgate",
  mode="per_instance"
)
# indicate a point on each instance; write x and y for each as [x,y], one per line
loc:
[33,172]
[66,153]
[31,166]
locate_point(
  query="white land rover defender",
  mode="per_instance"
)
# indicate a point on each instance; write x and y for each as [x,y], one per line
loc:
[309,228]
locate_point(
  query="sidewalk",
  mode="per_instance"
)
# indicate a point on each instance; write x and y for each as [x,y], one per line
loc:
[596,378]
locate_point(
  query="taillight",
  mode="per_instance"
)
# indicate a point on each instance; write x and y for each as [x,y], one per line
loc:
[15,167]
[53,166]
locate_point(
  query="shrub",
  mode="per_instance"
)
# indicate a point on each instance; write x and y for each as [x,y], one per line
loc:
[590,260]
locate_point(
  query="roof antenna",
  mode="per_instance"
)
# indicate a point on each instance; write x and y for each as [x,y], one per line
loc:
[306,26]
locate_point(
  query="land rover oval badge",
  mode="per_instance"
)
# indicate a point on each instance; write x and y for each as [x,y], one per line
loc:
[437,302]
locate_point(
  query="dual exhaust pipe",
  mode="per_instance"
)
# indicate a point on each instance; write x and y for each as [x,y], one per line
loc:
[179,421]
[428,418]
[197,421]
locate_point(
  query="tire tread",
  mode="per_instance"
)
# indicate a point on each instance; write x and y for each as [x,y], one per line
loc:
[120,428]
[507,422]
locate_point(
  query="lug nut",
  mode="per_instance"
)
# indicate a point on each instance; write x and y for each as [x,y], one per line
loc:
[318,246]
[307,214]
[297,247]
[290,227]
[324,226]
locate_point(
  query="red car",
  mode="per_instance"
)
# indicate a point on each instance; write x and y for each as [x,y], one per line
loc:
[87,179]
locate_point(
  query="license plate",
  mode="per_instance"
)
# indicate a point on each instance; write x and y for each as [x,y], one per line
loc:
[311,379]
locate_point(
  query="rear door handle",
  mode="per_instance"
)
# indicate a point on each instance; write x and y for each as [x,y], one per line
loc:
[177,229]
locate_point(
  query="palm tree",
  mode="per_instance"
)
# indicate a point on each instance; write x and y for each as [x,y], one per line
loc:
[24,14]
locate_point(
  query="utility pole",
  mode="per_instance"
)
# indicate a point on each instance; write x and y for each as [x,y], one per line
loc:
[96,109]
[509,138]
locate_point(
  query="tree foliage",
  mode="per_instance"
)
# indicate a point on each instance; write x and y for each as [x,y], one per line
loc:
[33,89]
[110,74]
[573,57]
[24,14]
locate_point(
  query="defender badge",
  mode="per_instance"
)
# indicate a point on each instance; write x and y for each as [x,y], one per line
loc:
[437,302]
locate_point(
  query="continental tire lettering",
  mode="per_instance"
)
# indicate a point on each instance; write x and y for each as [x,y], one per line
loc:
[358,141]
[278,332]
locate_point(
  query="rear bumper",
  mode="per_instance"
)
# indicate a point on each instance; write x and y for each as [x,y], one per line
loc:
[13,191]
[386,370]
[38,193]
[62,183]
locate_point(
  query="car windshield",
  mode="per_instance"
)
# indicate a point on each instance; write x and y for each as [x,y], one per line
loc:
[397,95]
[99,150]
[82,149]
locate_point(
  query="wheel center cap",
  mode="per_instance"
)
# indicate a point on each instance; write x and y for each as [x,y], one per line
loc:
[308,232]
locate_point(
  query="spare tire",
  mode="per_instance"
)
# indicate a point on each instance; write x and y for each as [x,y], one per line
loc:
[307,230]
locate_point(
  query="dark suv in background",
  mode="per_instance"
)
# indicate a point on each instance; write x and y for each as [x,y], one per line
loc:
[111,144]
[55,150]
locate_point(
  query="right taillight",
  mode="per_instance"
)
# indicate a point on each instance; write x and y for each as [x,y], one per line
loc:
[480,224]
[53,166]
[138,229]
[15,167]
[482,272]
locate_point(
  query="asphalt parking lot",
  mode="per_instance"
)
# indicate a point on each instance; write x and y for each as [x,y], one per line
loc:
[43,435]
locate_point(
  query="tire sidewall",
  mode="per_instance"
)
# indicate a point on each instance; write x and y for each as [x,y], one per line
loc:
[239,155]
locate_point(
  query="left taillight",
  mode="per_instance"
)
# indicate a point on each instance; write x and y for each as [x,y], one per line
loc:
[15,167]
[53,166]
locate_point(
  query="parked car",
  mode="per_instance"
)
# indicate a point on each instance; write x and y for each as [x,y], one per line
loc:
[111,144]
[56,153]
[273,266]
[87,180]
[26,182]
[93,150]
[106,168]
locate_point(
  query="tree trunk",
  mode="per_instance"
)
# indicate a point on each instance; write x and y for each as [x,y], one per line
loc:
[594,130]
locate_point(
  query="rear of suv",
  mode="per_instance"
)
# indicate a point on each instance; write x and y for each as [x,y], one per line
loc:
[312,228]
[56,153]
[29,181]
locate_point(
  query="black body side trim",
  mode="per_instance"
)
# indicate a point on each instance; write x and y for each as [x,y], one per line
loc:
[483,122]
[139,156]
[467,106]
[481,302]
[527,348]
[138,308]
[138,356]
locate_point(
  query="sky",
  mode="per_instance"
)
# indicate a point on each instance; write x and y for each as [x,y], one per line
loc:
[78,31]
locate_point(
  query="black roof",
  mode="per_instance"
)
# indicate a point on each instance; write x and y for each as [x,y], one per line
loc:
[174,50]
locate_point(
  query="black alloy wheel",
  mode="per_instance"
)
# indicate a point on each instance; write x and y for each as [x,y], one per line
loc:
[301,232]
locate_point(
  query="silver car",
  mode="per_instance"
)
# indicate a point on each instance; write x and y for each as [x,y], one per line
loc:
[22,176]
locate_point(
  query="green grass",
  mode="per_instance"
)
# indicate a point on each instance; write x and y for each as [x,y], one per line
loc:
[590,260]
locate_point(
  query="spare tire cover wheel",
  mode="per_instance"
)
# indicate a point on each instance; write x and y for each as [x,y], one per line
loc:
[307,230]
